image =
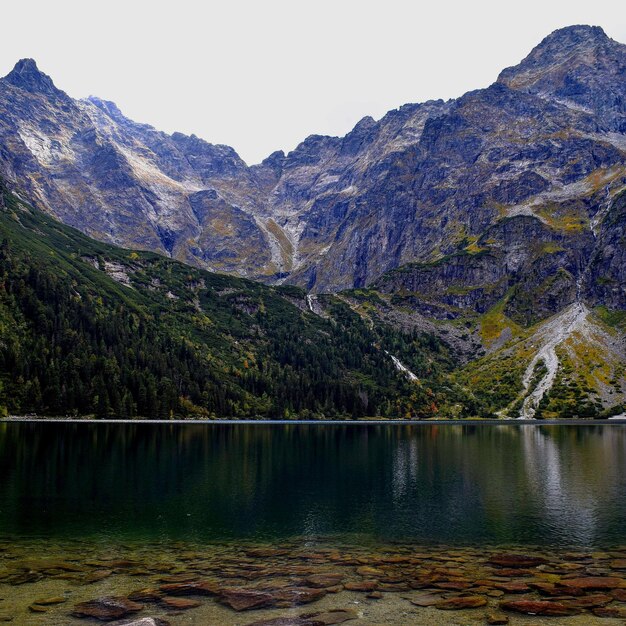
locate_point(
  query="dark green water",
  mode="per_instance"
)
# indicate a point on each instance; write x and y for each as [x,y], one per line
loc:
[503,484]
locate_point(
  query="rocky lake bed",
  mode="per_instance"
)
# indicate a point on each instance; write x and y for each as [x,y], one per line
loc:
[305,583]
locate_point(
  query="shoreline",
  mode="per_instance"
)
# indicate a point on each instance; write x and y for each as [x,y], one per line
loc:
[618,421]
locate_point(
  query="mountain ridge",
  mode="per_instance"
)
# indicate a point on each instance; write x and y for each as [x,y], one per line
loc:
[486,219]
[293,217]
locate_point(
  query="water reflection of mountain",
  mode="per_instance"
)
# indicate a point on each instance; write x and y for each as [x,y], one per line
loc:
[426,483]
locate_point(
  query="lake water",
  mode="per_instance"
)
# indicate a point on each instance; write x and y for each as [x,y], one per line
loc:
[94,495]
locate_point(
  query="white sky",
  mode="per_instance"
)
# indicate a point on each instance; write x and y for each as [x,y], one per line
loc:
[261,75]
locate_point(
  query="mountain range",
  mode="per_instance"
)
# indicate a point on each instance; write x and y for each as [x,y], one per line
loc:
[494,222]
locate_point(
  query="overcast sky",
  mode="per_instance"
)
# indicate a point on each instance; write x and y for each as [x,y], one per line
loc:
[261,75]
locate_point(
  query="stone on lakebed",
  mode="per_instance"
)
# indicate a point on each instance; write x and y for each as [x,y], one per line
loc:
[595,582]
[181,604]
[618,612]
[190,589]
[461,602]
[246,599]
[107,608]
[363,585]
[146,621]
[539,607]
[324,580]
[50,601]
[591,601]
[516,560]
[325,618]
[296,596]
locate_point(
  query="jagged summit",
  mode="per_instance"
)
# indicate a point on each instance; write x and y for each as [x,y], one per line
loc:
[573,44]
[26,75]
[579,66]
[576,34]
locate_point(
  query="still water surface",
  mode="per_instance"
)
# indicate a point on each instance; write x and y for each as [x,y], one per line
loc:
[433,484]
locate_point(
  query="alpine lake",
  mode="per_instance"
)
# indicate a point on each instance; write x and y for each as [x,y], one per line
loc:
[303,524]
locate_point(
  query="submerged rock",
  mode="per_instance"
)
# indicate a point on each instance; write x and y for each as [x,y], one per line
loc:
[264,553]
[610,611]
[297,595]
[246,599]
[23,578]
[146,621]
[326,618]
[454,585]
[362,585]
[146,595]
[516,560]
[286,621]
[190,589]
[52,600]
[97,575]
[426,599]
[324,580]
[588,602]
[551,589]
[513,587]
[619,594]
[334,616]
[181,604]
[539,607]
[366,570]
[107,608]
[461,602]
[596,582]
[497,619]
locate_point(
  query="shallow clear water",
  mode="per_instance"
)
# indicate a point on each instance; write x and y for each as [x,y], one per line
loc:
[311,519]
[433,484]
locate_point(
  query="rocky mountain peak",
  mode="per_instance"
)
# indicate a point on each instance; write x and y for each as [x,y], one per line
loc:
[575,35]
[579,66]
[559,52]
[547,142]
[26,75]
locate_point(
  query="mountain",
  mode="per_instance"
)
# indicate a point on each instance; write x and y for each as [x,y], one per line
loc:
[546,140]
[88,328]
[493,222]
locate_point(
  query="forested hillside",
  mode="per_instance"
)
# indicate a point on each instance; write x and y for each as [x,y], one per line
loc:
[90,329]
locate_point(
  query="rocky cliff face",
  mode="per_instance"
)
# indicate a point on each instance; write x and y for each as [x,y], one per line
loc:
[547,141]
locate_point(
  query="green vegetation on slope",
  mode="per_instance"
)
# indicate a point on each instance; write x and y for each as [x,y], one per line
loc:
[91,329]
